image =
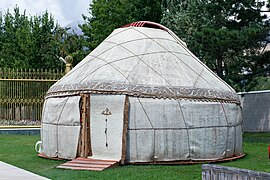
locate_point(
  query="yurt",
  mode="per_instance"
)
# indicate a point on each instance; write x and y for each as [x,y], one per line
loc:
[142,97]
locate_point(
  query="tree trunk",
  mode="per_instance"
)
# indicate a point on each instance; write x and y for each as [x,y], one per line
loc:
[220,67]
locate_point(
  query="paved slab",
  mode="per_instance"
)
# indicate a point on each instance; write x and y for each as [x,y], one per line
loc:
[9,172]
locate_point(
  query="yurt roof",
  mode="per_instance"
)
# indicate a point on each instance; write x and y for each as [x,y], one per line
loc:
[147,61]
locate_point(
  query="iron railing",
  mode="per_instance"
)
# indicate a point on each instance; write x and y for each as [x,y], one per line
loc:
[22,94]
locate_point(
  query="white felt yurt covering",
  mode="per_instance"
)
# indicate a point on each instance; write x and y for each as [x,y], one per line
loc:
[150,100]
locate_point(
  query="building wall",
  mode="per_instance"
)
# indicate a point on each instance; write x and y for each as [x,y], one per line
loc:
[256,111]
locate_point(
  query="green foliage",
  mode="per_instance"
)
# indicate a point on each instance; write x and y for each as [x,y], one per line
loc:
[105,16]
[68,43]
[259,83]
[35,42]
[42,44]
[145,10]
[226,35]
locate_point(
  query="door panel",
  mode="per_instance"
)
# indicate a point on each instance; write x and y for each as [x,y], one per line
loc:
[106,126]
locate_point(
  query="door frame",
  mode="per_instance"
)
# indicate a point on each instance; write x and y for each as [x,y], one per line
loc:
[84,147]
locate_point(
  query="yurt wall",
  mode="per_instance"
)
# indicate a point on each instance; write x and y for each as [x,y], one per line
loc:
[170,130]
[60,127]
[256,111]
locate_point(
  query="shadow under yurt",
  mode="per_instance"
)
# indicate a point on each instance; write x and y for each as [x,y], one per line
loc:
[142,97]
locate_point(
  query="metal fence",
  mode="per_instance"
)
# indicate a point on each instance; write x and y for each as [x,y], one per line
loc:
[22,94]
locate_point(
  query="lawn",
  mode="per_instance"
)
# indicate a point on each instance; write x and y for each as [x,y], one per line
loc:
[19,150]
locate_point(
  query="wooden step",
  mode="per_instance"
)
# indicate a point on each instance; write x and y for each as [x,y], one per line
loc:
[88,164]
[84,165]
[90,159]
[92,162]
[81,168]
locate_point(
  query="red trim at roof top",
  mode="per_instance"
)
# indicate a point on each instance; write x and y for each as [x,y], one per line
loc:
[148,24]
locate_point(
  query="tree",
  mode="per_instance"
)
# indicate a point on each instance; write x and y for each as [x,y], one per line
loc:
[226,35]
[42,51]
[145,10]
[105,16]
[36,41]
[10,47]
[69,43]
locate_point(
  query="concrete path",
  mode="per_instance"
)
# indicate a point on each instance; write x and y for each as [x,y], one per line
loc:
[9,172]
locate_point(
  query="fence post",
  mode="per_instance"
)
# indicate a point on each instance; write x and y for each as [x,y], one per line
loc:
[69,61]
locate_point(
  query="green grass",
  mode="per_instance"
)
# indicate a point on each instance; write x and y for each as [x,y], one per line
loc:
[19,150]
[256,150]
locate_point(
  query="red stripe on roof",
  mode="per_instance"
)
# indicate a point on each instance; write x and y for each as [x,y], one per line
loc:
[148,24]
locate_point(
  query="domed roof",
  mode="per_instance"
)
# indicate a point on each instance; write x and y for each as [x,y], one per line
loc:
[144,62]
